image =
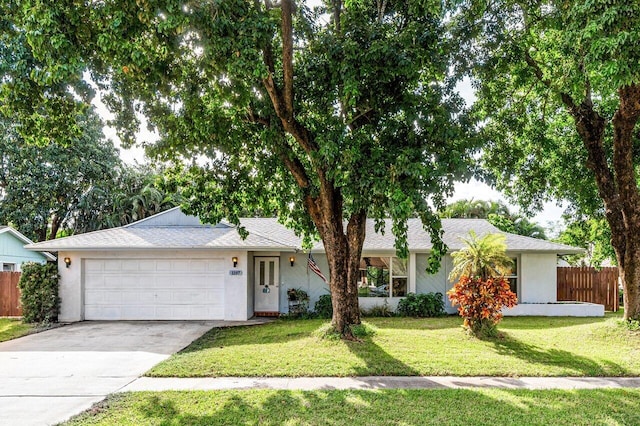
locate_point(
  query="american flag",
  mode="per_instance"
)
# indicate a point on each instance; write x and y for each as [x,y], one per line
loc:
[314,267]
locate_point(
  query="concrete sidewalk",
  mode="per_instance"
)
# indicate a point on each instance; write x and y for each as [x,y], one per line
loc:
[379,382]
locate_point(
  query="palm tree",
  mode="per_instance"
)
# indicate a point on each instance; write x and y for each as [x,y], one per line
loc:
[483,257]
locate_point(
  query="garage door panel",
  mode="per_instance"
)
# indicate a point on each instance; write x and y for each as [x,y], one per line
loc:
[112,265]
[93,280]
[180,266]
[154,289]
[94,297]
[130,265]
[200,266]
[112,297]
[147,265]
[93,266]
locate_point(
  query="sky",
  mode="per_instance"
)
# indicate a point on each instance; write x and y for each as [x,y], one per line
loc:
[549,217]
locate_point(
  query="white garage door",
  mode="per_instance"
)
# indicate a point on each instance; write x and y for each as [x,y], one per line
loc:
[153,289]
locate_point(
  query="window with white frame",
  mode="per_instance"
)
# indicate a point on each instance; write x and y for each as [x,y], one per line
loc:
[512,276]
[8,267]
[382,276]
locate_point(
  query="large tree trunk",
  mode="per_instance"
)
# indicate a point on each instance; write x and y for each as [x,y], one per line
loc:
[343,255]
[617,185]
[326,207]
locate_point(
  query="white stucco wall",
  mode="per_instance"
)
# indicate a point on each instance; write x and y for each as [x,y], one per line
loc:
[434,283]
[299,276]
[236,298]
[538,278]
[562,309]
[70,287]
[238,303]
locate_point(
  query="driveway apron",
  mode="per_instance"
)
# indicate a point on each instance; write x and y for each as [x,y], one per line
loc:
[47,377]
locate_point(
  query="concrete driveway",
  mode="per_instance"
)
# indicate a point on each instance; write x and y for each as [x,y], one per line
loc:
[47,377]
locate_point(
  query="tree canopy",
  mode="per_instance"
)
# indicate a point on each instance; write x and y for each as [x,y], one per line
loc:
[42,186]
[322,116]
[497,213]
[594,235]
[559,95]
[51,189]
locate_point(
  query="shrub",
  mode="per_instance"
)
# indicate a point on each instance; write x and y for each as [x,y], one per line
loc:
[378,311]
[323,307]
[421,305]
[481,302]
[298,303]
[297,294]
[39,292]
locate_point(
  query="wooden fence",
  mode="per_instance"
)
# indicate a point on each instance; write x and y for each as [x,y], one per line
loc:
[9,294]
[585,284]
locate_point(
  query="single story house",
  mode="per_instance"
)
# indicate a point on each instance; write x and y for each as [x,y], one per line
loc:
[172,267]
[12,251]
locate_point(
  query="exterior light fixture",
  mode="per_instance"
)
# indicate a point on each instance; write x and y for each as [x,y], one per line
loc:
[292,260]
[234,259]
[67,261]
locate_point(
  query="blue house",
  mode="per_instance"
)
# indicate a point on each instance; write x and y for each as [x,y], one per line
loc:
[12,251]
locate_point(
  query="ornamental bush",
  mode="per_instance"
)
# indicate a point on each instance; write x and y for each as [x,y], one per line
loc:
[481,302]
[421,305]
[323,307]
[39,292]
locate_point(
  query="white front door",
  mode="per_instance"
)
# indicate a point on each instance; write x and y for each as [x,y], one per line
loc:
[267,284]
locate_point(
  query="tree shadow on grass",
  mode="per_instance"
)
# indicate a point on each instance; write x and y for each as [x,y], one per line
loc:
[574,365]
[377,361]
[411,323]
[541,323]
[361,407]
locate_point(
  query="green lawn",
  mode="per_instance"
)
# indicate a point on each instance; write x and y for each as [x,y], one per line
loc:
[533,346]
[387,407]
[11,328]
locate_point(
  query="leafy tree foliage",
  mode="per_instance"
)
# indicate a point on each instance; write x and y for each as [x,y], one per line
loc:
[324,117]
[497,213]
[559,90]
[43,187]
[482,257]
[132,193]
[594,235]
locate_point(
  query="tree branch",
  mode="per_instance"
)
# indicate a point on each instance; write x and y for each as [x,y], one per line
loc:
[624,122]
[337,11]
[287,58]
[256,119]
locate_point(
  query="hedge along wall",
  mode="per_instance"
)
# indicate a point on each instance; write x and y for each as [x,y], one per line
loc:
[39,292]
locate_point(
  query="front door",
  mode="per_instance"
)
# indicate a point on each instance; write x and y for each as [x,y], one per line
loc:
[267,284]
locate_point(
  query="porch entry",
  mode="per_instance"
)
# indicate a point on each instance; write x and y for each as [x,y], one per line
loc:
[267,286]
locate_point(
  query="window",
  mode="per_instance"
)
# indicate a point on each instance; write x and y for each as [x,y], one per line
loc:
[382,277]
[512,276]
[399,277]
[8,267]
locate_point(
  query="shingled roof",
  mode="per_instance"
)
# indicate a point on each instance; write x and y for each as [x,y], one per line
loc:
[175,230]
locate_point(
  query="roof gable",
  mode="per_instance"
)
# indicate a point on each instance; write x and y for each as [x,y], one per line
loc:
[23,240]
[171,217]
